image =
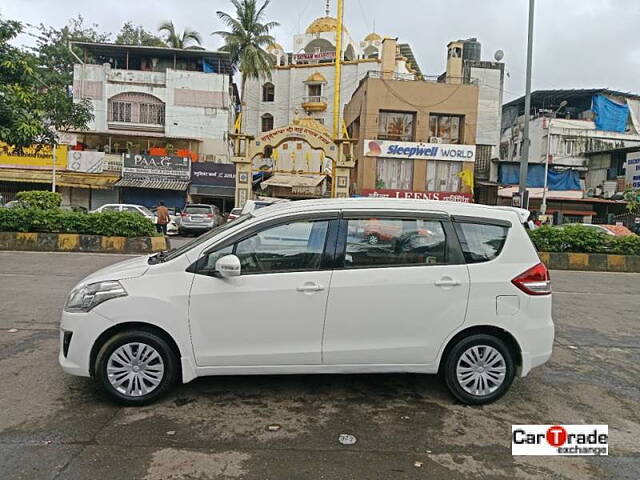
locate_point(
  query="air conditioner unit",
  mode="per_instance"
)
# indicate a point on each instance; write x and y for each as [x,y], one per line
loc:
[435,140]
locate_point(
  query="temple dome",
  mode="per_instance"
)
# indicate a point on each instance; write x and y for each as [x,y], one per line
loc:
[324,24]
[372,37]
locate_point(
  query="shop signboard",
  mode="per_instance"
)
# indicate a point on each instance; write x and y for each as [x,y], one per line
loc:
[313,57]
[403,194]
[148,166]
[36,157]
[632,170]
[85,161]
[213,174]
[419,150]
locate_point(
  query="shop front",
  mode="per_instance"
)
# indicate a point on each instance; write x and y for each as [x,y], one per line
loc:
[147,180]
[213,184]
[418,170]
[79,176]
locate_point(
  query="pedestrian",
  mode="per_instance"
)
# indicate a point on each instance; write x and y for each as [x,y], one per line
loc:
[162,218]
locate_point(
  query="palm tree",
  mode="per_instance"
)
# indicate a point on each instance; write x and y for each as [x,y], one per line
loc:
[247,38]
[173,40]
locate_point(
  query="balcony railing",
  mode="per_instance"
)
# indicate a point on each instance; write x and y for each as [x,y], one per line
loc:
[314,99]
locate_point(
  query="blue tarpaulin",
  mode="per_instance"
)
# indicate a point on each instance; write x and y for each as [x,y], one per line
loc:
[557,180]
[207,67]
[610,116]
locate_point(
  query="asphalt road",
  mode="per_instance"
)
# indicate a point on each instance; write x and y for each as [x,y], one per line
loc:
[54,426]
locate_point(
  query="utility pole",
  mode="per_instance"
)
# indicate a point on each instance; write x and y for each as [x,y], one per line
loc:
[338,72]
[524,153]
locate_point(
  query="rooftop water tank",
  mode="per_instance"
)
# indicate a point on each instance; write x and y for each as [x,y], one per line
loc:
[471,49]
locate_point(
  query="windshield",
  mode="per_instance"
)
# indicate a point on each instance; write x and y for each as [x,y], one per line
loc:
[176,252]
[200,209]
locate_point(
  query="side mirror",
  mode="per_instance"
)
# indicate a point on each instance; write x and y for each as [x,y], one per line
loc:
[228,266]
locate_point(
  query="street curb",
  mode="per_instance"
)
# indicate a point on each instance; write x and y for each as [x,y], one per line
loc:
[73,242]
[593,262]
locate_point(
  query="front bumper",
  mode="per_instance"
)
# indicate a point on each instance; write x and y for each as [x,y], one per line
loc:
[85,329]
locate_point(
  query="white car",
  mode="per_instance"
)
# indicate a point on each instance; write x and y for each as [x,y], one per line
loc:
[126,207]
[298,288]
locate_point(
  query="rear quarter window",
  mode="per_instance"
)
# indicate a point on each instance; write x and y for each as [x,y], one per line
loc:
[481,242]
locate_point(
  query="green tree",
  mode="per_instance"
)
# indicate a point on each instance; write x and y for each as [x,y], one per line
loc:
[246,40]
[34,97]
[632,197]
[174,40]
[131,34]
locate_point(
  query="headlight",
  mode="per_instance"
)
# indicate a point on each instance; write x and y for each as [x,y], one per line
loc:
[85,298]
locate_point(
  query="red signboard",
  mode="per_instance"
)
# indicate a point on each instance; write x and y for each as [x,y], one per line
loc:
[447,196]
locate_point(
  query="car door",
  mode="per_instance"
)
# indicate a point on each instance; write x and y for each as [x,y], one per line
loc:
[397,296]
[273,313]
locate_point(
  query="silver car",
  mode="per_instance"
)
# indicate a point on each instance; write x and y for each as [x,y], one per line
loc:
[198,218]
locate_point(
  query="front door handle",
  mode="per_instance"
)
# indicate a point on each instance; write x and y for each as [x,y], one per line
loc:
[310,287]
[447,282]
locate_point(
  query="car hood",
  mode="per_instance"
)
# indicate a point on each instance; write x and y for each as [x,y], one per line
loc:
[135,267]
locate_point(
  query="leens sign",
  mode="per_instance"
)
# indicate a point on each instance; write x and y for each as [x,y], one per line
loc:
[420,151]
[445,196]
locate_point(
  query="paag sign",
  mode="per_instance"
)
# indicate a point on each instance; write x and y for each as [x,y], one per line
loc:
[420,151]
[445,196]
[152,166]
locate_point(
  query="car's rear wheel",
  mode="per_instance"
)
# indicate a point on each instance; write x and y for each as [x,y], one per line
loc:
[136,367]
[479,369]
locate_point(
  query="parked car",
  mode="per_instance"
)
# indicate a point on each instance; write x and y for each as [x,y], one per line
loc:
[126,207]
[16,204]
[74,208]
[612,230]
[233,214]
[174,215]
[288,290]
[199,218]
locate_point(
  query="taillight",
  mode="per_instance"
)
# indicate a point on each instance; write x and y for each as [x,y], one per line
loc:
[210,215]
[535,281]
[183,214]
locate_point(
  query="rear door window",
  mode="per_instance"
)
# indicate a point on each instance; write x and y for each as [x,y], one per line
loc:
[383,242]
[198,210]
[481,242]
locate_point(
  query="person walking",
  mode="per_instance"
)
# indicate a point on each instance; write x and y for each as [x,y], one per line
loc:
[162,215]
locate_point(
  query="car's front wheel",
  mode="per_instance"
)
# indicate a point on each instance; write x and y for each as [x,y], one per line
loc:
[136,367]
[479,369]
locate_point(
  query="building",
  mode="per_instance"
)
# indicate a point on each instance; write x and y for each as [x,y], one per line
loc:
[150,104]
[464,65]
[584,134]
[415,137]
[302,80]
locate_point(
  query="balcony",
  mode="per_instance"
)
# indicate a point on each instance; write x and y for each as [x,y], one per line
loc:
[315,103]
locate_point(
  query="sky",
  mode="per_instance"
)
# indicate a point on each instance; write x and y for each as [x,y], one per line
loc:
[577,43]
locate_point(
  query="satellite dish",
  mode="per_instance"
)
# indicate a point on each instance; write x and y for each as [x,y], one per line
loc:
[499,55]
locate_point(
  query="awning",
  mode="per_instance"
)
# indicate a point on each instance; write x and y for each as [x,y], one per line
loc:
[63,178]
[156,184]
[291,181]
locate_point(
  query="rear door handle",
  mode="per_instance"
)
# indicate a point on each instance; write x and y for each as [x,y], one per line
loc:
[447,282]
[309,287]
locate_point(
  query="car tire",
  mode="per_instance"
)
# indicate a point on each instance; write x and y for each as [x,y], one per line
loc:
[142,360]
[479,369]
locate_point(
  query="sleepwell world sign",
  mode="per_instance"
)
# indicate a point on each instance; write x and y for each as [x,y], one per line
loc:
[419,150]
